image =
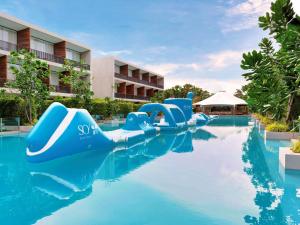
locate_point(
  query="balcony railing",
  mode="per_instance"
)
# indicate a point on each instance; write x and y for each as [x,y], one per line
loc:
[56,59]
[7,46]
[61,89]
[47,56]
[124,77]
[136,97]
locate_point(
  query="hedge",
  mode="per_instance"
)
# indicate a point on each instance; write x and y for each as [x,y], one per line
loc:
[277,127]
[13,107]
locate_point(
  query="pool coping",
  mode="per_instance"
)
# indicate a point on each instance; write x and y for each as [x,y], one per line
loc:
[288,159]
[271,135]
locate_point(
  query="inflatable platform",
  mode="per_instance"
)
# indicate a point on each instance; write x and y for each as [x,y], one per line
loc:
[65,131]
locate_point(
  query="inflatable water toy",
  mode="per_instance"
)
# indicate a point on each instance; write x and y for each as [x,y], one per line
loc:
[65,131]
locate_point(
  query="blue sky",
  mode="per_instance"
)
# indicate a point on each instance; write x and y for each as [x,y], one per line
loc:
[189,41]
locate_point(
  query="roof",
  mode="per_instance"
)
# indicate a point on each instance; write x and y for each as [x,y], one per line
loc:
[222,98]
[16,24]
[121,62]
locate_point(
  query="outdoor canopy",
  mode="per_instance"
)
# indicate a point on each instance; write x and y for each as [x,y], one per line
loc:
[221,98]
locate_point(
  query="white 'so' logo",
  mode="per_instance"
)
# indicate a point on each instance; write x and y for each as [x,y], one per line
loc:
[83,129]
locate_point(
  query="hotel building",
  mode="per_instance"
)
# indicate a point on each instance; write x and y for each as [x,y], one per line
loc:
[51,48]
[117,79]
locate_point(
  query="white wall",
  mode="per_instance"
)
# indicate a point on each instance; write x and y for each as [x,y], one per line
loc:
[103,70]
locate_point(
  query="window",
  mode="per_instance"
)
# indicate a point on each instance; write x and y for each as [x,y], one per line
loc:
[73,55]
[8,35]
[41,45]
[54,78]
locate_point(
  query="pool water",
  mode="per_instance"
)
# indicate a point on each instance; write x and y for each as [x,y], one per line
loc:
[223,174]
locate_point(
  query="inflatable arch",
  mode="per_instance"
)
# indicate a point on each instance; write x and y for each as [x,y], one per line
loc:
[174,117]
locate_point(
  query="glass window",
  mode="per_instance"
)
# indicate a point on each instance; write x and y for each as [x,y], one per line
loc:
[54,78]
[8,35]
[41,45]
[73,55]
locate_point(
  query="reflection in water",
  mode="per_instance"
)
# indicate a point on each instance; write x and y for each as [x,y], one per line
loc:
[48,187]
[236,121]
[55,184]
[276,195]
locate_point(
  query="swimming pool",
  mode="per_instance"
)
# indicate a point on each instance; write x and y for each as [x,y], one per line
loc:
[223,173]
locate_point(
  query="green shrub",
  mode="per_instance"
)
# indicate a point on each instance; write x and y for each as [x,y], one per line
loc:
[266,120]
[125,108]
[263,119]
[277,127]
[296,147]
[137,106]
[98,107]
[12,106]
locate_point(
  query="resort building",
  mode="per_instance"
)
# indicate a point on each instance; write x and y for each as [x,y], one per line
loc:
[222,103]
[16,34]
[117,79]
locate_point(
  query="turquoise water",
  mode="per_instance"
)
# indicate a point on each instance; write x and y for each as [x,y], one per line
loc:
[223,174]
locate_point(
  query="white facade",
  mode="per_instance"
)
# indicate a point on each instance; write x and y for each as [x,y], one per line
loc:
[51,48]
[117,79]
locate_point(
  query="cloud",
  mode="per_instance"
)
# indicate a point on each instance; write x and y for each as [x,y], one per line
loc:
[244,15]
[99,52]
[169,68]
[211,61]
[250,7]
[212,85]
[180,73]
[223,59]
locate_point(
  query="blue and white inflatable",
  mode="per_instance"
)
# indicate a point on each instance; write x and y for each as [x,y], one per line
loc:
[62,131]
[65,131]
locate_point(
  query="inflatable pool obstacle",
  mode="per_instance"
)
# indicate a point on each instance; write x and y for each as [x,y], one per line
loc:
[65,131]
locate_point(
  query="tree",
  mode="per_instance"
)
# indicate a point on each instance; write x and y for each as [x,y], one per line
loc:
[30,75]
[240,94]
[180,92]
[274,75]
[76,79]
[267,91]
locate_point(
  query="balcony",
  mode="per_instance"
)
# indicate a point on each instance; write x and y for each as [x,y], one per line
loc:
[61,89]
[124,77]
[7,46]
[134,97]
[47,56]
[56,59]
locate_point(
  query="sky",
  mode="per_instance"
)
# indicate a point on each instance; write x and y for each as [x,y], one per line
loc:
[188,41]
